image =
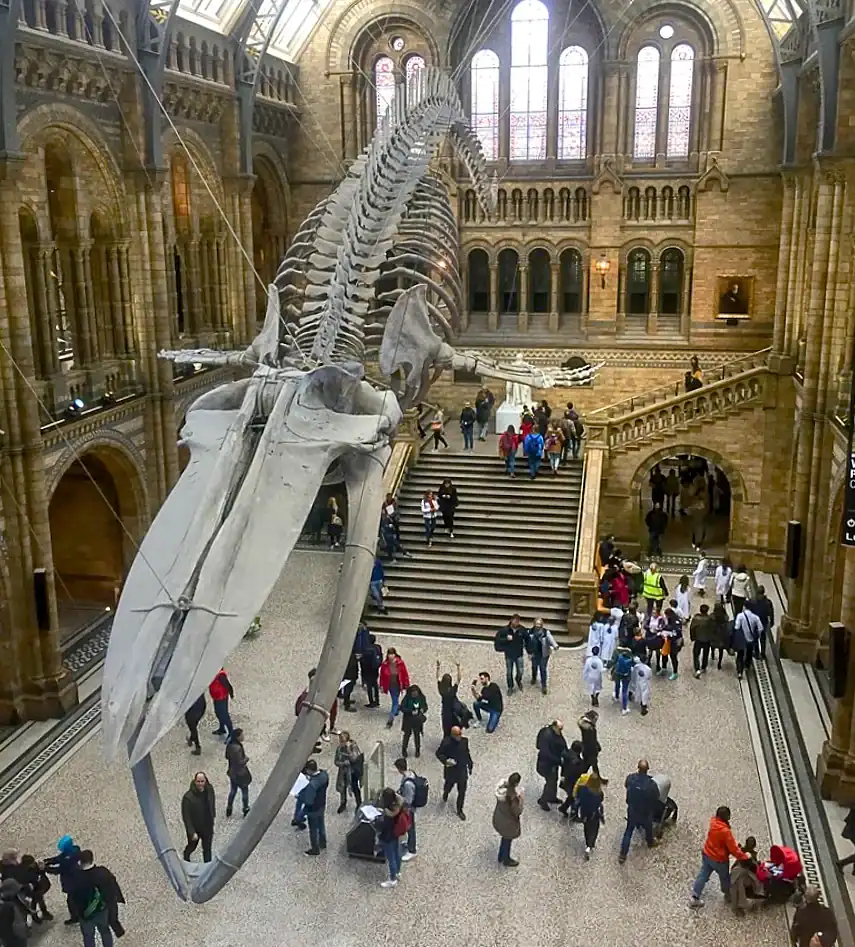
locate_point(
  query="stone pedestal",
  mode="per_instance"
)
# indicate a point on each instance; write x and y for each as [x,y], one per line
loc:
[797,641]
[583,601]
[506,414]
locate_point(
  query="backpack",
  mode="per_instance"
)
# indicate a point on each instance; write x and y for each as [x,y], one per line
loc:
[402,823]
[532,444]
[534,643]
[421,787]
[623,666]
[96,904]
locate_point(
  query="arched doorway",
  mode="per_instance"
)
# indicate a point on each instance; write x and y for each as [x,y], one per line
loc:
[94,524]
[696,496]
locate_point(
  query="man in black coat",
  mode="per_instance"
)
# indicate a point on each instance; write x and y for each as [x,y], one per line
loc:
[510,641]
[642,795]
[96,895]
[454,755]
[765,611]
[572,767]
[193,715]
[657,522]
[551,747]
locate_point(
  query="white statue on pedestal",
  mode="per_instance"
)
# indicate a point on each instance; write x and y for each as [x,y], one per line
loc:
[517,393]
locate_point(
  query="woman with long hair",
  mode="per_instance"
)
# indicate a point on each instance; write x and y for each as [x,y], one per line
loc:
[430,508]
[507,816]
[589,805]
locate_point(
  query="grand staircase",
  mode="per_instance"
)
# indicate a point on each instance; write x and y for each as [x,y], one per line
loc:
[512,549]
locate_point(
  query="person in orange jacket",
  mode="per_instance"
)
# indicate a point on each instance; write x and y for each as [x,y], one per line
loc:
[221,690]
[718,848]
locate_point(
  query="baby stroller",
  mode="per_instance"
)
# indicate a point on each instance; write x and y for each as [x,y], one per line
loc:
[666,809]
[782,876]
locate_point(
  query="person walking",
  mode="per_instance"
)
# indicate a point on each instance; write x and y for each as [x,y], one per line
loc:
[592,674]
[553,446]
[533,450]
[221,691]
[414,708]
[369,667]
[456,759]
[510,641]
[508,444]
[672,491]
[488,698]
[589,805]
[702,635]
[849,834]
[719,846]
[313,799]
[467,426]
[408,793]
[682,599]
[540,643]
[572,767]
[198,813]
[672,644]
[94,889]
[590,744]
[335,523]
[723,580]
[739,588]
[640,684]
[699,576]
[622,675]
[430,508]
[348,761]
[568,432]
[436,429]
[65,864]
[642,796]
[393,825]
[721,639]
[447,500]
[746,633]
[238,772]
[765,611]
[448,695]
[394,678]
[193,717]
[656,522]
[551,747]
[376,585]
[482,414]
[507,815]
[814,924]
[654,588]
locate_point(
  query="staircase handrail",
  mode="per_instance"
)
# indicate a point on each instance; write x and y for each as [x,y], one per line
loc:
[659,396]
[576,567]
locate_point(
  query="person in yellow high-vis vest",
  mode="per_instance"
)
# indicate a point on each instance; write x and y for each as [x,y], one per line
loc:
[654,588]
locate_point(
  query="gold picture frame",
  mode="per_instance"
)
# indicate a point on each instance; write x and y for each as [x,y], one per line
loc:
[734,297]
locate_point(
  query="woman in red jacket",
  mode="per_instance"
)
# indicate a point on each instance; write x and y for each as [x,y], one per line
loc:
[394,678]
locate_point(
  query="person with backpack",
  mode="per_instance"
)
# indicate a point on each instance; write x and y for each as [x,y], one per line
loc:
[621,674]
[414,708]
[540,643]
[349,762]
[592,674]
[510,641]
[94,891]
[508,444]
[221,691]
[456,759]
[392,825]
[65,865]
[533,450]
[467,426]
[507,816]
[237,772]
[414,794]
[489,698]
[551,747]
[642,797]
[192,717]
[313,800]
[370,659]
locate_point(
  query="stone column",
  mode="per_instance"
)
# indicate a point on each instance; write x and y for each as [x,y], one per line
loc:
[96,331]
[81,310]
[47,258]
[40,14]
[608,144]
[686,301]
[796,241]
[554,296]
[193,300]
[653,308]
[662,112]
[45,315]
[622,110]
[784,245]
[62,18]
[522,309]
[130,343]
[493,316]
[120,341]
[719,81]
[222,288]
[205,284]
[250,315]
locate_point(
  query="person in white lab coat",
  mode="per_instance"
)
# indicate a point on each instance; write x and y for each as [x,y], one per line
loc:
[640,685]
[592,675]
[682,597]
[699,576]
[723,580]
[597,631]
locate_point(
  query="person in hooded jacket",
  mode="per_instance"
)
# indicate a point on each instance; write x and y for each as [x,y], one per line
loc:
[739,588]
[65,864]
[198,812]
[221,691]
[507,816]
[640,684]
[508,444]
[551,747]
[572,767]
[192,717]
[448,501]
[238,772]
[592,674]
[719,847]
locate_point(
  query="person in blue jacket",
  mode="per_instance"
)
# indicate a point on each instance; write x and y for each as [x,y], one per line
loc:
[66,864]
[533,450]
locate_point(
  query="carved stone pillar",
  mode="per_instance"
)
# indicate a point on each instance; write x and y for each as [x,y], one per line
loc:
[81,310]
[62,18]
[97,25]
[623,148]
[44,316]
[120,345]
[47,258]
[653,308]
[554,294]
[686,301]
[205,284]
[493,316]
[40,14]
[130,341]
[522,308]
[784,251]
[719,81]
[221,283]
[96,329]
[194,303]
[610,112]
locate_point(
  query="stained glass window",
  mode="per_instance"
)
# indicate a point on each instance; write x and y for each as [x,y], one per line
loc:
[572,103]
[384,85]
[646,102]
[529,46]
[680,101]
[413,72]
[485,101]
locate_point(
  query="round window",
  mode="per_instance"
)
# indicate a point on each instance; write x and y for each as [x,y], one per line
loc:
[666,31]
[397,43]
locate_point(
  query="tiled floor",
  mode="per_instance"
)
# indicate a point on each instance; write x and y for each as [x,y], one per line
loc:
[454,892]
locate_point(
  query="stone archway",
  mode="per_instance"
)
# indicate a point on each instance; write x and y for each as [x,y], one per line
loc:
[95,520]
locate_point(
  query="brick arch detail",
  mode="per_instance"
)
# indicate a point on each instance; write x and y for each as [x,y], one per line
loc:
[731,471]
[723,21]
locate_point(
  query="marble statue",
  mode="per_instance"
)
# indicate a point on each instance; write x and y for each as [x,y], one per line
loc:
[516,393]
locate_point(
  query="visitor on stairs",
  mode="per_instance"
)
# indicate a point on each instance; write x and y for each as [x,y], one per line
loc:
[526,422]
[193,717]
[533,450]
[483,406]
[540,644]
[237,772]
[349,761]
[542,414]
[436,429]
[568,432]
[447,500]
[702,635]
[467,425]
[430,507]
[551,747]
[390,533]
[506,816]
[510,641]
[414,708]
[456,759]
[765,611]
[739,588]
[592,674]
[407,792]
[376,586]
[715,858]
[489,698]
[553,445]
[508,444]
[578,430]
[394,678]
[369,666]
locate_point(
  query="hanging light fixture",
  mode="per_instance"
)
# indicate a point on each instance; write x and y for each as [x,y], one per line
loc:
[602,267]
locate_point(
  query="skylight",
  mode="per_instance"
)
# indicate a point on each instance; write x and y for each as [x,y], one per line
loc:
[781,14]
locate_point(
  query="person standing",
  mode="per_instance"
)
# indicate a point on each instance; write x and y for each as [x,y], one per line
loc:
[654,589]
[590,744]
[393,825]
[642,795]
[721,639]
[448,500]
[621,675]
[589,805]
[238,772]
[448,695]
[488,698]
[814,924]
[391,534]
[702,634]
[467,426]
[699,576]
[507,816]
[313,799]
[508,444]
[430,508]
[656,522]
[715,858]
[510,641]
[407,792]
[572,767]
[553,445]
[482,414]
[672,491]
[369,666]
[746,633]
[456,759]
[414,708]
[640,684]
[765,611]
[335,523]
[533,450]
[65,864]
[394,678]
[192,717]
[348,761]
[683,600]
[551,747]
[592,674]
[568,432]
[198,813]
[540,643]
[436,429]
[94,887]
[739,588]
[723,580]
[221,690]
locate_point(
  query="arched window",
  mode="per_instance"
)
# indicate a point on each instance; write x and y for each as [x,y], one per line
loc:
[413,73]
[384,86]
[646,99]
[572,103]
[571,281]
[529,79]
[638,282]
[539,280]
[479,281]
[485,101]
[508,281]
[670,281]
[680,101]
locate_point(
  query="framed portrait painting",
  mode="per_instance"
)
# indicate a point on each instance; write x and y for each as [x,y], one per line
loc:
[734,297]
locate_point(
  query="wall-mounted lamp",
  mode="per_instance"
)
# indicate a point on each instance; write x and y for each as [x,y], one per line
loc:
[602,266]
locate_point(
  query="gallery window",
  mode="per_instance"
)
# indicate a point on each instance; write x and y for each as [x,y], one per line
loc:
[413,72]
[680,101]
[646,102]
[638,282]
[572,103]
[529,80]
[384,86]
[484,73]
